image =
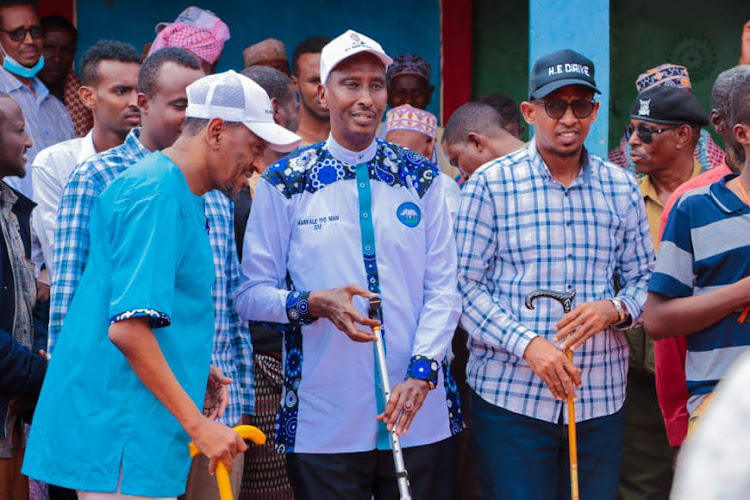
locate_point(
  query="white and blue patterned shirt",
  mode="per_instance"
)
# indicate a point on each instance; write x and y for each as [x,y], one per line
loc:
[519,230]
[305,227]
[232,350]
[47,122]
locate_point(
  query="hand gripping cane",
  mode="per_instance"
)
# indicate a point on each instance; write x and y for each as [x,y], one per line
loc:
[402,476]
[222,474]
[566,299]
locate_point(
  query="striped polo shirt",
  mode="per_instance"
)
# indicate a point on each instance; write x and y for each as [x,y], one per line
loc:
[706,245]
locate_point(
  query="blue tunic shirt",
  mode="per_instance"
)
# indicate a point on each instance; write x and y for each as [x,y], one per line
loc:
[150,256]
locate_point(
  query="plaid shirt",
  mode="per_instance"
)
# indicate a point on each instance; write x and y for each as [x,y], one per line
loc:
[519,230]
[232,352]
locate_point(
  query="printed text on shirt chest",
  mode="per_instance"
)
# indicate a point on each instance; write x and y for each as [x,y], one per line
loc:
[316,223]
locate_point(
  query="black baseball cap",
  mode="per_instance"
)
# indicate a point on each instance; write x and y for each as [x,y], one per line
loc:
[560,69]
[669,106]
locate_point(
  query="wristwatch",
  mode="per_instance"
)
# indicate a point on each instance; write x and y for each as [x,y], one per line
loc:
[621,309]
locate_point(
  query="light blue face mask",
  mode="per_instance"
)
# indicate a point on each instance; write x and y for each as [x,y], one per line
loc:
[19,69]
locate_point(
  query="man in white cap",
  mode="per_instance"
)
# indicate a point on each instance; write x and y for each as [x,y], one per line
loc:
[354,216]
[125,391]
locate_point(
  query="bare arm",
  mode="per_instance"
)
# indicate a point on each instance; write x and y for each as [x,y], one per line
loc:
[664,317]
[138,343]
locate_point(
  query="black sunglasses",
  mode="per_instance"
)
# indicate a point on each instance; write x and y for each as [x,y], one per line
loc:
[556,108]
[645,134]
[19,34]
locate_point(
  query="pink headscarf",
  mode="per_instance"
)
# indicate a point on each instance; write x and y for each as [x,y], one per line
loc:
[204,43]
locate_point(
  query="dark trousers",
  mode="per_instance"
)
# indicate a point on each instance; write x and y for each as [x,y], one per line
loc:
[371,474]
[647,461]
[524,458]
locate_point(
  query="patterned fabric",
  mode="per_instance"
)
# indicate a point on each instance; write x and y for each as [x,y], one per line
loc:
[156,319]
[297,308]
[265,476]
[519,230]
[423,368]
[406,117]
[47,122]
[408,64]
[286,419]
[668,75]
[232,351]
[707,153]
[83,118]
[204,43]
[705,247]
[71,247]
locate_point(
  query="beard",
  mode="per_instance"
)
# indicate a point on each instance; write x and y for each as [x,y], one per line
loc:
[324,117]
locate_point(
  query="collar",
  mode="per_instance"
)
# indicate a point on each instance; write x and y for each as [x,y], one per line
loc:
[87,147]
[537,162]
[8,197]
[724,197]
[348,157]
[133,141]
[12,83]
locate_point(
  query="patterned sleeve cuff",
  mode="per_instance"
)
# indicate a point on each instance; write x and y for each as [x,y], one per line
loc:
[423,368]
[297,309]
[156,319]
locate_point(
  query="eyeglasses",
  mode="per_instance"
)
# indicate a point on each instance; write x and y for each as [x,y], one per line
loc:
[646,134]
[19,34]
[556,108]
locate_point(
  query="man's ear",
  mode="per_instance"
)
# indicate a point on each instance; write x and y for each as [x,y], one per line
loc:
[717,122]
[87,96]
[142,102]
[295,83]
[528,111]
[275,106]
[742,134]
[213,132]
[683,134]
[322,96]
[475,141]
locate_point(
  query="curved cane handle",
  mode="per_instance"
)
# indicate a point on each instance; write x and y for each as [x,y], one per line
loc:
[247,432]
[564,298]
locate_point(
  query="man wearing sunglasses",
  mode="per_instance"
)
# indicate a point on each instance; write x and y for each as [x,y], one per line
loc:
[665,126]
[47,120]
[551,216]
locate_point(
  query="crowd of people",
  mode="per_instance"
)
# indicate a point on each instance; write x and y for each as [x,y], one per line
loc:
[186,251]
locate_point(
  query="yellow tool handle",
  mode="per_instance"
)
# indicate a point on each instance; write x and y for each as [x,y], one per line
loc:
[572,442]
[247,432]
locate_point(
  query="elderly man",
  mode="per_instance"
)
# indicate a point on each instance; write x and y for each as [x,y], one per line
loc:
[314,120]
[354,216]
[196,30]
[269,52]
[47,120]
[150,269]
[475,134]
[665,125]
[569,221]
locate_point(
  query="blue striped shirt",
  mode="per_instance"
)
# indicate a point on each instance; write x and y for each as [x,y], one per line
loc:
[518,230]
[232,351]
[705,247]
[47,122]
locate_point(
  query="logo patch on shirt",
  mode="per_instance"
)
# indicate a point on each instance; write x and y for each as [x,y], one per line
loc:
[409,215]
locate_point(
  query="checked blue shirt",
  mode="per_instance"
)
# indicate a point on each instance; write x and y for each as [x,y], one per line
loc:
[519,230]
[232,351]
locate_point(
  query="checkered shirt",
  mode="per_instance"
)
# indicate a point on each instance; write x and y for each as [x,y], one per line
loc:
[519,230]
[232,352]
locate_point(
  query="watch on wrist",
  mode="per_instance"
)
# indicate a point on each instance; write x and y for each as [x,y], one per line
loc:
[620,308]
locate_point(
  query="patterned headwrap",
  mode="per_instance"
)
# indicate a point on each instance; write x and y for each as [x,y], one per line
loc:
[406,117]
[198,30]
[269,49]
[408,64]
[668,75]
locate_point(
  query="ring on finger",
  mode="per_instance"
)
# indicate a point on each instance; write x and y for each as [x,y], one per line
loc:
[408,406]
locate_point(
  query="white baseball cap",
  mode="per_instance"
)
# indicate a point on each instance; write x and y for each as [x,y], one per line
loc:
[236,98]
[346,45]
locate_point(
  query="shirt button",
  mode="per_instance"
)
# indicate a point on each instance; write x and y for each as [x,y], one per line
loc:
[570,286]
[568,223]
[570,255]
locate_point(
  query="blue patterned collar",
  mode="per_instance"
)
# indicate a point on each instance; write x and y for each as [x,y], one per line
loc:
[348,157]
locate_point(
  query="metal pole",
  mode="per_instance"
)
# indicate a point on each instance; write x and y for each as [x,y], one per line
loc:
[398,455]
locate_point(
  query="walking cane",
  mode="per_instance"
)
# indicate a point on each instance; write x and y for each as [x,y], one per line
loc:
[402,476]
[222,474]
[566,299]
